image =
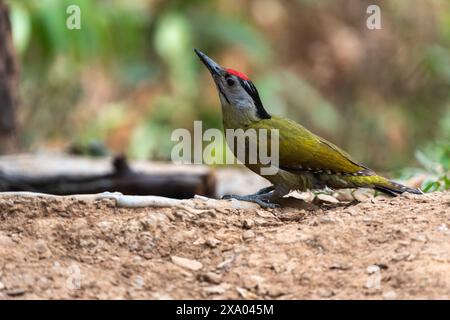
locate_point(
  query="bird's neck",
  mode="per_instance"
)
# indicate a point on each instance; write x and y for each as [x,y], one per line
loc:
[236,117]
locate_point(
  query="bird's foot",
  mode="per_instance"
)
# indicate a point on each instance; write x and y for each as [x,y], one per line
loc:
[265,190]
[261,199]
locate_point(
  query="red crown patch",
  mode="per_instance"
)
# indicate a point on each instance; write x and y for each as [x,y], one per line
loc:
[238,74]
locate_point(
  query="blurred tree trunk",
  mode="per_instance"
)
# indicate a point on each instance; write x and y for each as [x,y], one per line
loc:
[8,85]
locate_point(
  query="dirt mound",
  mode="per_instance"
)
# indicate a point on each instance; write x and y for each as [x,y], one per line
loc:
[383,248]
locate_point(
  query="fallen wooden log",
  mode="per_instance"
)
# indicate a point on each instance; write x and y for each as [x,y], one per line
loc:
[178,185]
[196,205]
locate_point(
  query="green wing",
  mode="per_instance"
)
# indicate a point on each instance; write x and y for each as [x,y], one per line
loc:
[301,150]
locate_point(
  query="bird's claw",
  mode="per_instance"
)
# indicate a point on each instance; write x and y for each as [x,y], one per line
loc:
[252,198]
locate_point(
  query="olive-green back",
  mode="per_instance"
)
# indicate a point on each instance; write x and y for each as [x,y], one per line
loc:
[300,149]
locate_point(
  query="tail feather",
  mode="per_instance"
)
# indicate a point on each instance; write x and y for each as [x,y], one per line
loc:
[393,188]
[374,181]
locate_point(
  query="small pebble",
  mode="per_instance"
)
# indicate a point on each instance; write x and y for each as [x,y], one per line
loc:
[325,198]
[211,277]
[6,241]
[246,294]
[372,269]
[248,224]
[139,282]
[389,295]
[212,242]
[324,293]
[248,234]
[421,238]
[361,195]
[16,292]
[219,289]
[344,195]
[193,265]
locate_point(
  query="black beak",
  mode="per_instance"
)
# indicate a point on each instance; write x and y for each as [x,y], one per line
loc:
[213,67]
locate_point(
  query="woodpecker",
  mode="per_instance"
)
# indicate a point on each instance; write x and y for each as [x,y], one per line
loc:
[306,161]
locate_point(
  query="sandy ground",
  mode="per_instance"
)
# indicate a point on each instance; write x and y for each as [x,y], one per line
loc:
[378,249]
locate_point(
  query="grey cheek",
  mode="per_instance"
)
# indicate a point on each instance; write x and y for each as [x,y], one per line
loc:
[224,99]
[244,103]
[222,95]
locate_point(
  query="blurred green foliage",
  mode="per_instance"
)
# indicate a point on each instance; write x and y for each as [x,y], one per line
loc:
[435,161]
[129,76]
[133,44]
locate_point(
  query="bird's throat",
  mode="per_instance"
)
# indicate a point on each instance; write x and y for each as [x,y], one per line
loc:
[238,118]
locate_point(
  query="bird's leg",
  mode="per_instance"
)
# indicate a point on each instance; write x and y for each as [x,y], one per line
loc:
[264,190]
[260,192]
[353,194]
[261,197]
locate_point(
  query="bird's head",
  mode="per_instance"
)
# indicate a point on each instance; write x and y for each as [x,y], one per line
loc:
[237,93]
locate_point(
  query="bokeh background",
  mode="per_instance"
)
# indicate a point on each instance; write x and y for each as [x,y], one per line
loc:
[129,76]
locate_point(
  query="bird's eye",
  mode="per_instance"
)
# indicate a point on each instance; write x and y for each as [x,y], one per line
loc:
[230,82]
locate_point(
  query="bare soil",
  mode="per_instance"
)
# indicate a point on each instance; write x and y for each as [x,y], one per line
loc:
[382,248]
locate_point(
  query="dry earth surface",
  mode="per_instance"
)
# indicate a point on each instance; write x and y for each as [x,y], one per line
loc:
[377,249]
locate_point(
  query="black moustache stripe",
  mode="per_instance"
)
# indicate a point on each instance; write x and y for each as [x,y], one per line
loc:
[223,93]
[250,88]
